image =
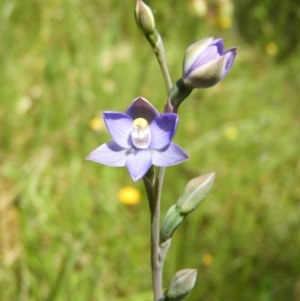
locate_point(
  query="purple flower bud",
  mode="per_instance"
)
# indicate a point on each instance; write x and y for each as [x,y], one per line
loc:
[206,63]
[141,137]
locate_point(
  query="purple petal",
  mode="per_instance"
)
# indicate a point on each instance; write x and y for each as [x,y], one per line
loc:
[230,55]
[193,52]
[207,75]
[172,155]
[141,107]
[120,127]
[163,128]
[138,163]
[208,55]
[220,45]
[109,154]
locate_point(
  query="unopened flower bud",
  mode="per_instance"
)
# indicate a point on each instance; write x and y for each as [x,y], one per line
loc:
[144,18]
[171,222]
[182,283]
[206,63]
[194,192]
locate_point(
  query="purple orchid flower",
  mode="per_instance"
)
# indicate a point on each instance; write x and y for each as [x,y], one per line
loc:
[206,63]
[141,138]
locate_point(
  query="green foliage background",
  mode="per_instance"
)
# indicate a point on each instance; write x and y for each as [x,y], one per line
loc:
[64,234]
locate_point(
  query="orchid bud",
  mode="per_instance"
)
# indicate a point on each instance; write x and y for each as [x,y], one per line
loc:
[194,192]
[182,283]
[144,18]
[171,222]
[206,63]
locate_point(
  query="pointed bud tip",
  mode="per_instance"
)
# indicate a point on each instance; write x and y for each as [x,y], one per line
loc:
[194,193]
[144,18]
[182,283]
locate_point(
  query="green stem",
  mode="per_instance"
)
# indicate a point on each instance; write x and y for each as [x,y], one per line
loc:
[155,197]
[155,258]
[158,47]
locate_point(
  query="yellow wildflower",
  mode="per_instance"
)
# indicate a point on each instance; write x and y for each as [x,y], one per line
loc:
[207,259]
[129,196]
[224,13]
[225,22]
[96,124]
[271,48]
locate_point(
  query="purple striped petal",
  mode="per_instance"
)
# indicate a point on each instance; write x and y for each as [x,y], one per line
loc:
[120,127]
[163,128]
[109,154]
[208,55]
[220,45]
[141,107]
[193,52]
[138,163]
[207,75]
[170,156]
[230,55]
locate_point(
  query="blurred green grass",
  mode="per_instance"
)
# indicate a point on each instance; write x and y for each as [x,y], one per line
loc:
[64,234]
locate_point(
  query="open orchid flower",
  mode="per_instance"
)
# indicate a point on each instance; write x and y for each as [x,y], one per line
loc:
[141,137]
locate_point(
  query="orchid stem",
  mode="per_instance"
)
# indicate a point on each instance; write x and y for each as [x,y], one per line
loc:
[154,202]
[155,258]
[158,47]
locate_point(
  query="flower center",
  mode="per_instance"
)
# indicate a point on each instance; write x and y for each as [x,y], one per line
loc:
[141,135]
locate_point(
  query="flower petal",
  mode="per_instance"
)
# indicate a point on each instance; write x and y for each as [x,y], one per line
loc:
[220,45]
[120,127]
[193,51]
[208,55]
[141,107]
[230,55]
[163,128]
[109,154]
[207,75]
[138,163]
[171,155]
